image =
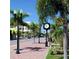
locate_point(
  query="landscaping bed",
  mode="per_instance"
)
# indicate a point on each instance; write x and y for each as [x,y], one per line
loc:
[52,56]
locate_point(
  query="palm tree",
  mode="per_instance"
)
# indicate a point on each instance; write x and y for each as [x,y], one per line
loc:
[41,21]
[12,22]
[18,15]
[35,29]
[41,15]
[56,32]
[16,22]
[48,8]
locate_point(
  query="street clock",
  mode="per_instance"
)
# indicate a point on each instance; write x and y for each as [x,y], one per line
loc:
[46,26]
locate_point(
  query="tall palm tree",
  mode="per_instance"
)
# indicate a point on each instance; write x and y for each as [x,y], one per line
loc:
[41,21]
[57,29]
[41,15]
[18,15]
[35,29]
[17,21]
[58,34]
[51,8]
[20,21]
[12,22]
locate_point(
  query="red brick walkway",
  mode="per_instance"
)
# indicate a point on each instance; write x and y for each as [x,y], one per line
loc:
[29,51]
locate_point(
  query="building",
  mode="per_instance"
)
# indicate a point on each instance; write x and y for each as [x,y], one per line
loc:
[22,29]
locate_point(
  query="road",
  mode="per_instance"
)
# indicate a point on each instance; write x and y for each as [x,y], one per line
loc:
[13,42]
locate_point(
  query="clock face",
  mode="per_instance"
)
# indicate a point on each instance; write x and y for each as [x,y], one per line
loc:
[46,25]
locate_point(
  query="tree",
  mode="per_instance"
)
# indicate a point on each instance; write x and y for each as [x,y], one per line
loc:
[18,20]
[41,21]
[18,15]
[57,29]
[12,22]
[41,15]
[35,29]
[57,34]
[49,8]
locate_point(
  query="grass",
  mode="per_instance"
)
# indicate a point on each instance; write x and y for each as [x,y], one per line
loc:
[49,56]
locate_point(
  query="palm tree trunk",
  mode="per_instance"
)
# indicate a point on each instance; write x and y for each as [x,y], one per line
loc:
[65,46]
[34,39]
[39,36]
[65,40]
[39,33]
[34,36]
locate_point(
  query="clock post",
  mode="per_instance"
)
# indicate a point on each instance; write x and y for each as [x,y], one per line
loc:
[46,27]
[46,43]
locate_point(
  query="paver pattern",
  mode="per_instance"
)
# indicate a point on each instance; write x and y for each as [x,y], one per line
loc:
[29,50]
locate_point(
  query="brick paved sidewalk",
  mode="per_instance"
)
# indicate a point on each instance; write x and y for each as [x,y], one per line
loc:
[29,51]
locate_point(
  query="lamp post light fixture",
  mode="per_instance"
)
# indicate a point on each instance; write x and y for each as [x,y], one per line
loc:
[17,18]
[46,26]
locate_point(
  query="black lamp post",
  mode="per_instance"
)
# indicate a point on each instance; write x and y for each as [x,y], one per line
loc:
[17,17]
[46,27]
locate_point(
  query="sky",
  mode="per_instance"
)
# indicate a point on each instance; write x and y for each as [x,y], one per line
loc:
[28,6]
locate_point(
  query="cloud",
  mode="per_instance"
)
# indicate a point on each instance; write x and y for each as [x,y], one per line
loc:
[27,22]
